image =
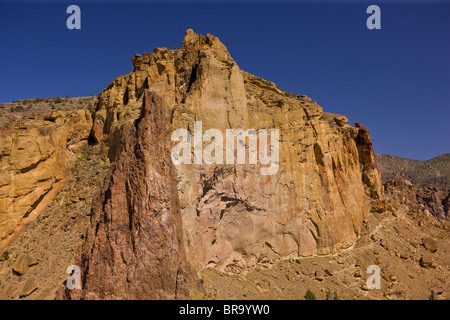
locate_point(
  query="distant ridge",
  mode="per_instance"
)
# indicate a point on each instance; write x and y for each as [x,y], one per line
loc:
[431,173]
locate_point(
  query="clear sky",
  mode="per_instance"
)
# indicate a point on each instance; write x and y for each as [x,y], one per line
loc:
[396,80]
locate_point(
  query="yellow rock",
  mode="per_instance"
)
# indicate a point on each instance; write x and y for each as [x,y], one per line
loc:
[32,164]
[327,177]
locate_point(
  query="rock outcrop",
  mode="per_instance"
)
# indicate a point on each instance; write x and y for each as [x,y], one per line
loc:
[234,217]
[32,164]
[429,200]
[150,221]
[134,247]
[371,173]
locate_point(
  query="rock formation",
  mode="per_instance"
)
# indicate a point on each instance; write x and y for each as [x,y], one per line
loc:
[233,217]
[371,173]
[152,224]
[431,200]
[134,247]
[32,164]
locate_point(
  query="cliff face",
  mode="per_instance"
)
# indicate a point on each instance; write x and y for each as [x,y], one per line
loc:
[134,247]
[153,223]
[234,217]
[32,165]
[429,200]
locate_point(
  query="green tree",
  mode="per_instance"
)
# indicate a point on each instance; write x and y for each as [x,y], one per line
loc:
[58,99]
[310,295]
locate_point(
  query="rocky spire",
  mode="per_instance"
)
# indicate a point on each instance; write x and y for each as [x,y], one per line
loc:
[134,247]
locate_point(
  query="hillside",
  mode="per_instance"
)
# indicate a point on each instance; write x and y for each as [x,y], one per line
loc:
[431,173]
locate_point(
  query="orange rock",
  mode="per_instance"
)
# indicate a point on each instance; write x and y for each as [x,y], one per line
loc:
[134,246]
[430,244]
[327,177]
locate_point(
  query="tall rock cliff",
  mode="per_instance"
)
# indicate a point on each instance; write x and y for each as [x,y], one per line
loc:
[134,247]
[234,217]
[32,164]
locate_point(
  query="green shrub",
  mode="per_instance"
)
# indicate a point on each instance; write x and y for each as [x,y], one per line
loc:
[83,157]
[332,295]
[335,296]
[89,107]
[12,109]
[58,99]
[310,295]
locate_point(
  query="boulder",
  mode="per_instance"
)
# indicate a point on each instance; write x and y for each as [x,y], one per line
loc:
[29,287]
[430,244]
[320,275]
[426,261]
[23,264]
[4,256]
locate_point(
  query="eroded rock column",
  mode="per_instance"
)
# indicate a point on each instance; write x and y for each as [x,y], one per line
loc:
[134,247]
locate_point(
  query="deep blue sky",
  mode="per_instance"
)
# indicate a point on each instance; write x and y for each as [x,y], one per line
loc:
[395,80]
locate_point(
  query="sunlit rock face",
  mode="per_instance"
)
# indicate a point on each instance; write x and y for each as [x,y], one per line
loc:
[134,245]
[32,163]
[234,217]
